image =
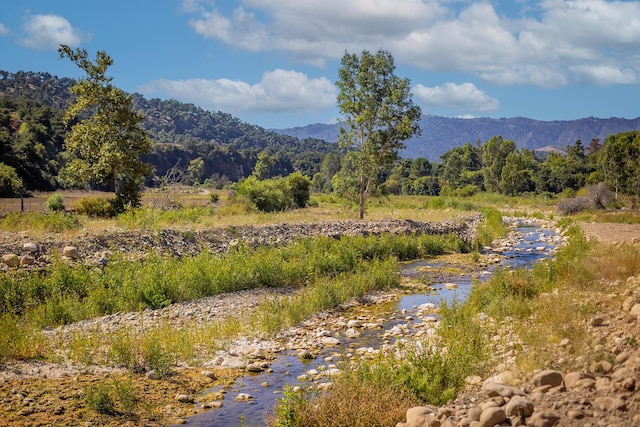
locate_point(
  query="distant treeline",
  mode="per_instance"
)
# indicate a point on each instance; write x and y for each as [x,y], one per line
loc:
[216,148]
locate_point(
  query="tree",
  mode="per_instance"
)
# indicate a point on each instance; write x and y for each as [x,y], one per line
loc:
[105,137]
[619,161]
[494,157]
[263,165]
[379,115]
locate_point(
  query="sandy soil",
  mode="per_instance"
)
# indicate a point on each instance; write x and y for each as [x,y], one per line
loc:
[611,233]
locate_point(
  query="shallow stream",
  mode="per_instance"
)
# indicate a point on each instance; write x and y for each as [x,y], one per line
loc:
[531,244]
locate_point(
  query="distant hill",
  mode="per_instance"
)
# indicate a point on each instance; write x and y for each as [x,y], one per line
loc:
[440,134]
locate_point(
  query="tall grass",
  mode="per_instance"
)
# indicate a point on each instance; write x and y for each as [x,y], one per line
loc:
[55,222]
[64,294]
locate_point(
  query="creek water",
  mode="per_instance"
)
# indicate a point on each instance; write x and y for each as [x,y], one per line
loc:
[532,243]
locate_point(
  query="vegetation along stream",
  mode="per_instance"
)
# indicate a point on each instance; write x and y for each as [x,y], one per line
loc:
[367,329]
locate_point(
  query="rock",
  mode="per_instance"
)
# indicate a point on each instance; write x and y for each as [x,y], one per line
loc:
[519,405]
[351,333]
[330,341]
[354,324]
[543,419]
[11,260]
[635,310]
[30,247]
[254,367]
[423,421]
[548,377]
[244,397]
[306,355]
[233,362]
[184,398]
[209,374]
[418,411]
[450,286]
[71,252]
[492,416]
[151,375]
[27,260]
[495,389]
[607,403]
[572,379]
[597,321]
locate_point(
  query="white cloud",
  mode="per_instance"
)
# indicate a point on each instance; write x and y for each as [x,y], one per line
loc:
[279,91]
[551,44]
[46,32]
[464,97]
[3,30]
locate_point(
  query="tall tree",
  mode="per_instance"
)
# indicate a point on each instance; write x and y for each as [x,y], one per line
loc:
[105,137]
[494,157]
[379,115]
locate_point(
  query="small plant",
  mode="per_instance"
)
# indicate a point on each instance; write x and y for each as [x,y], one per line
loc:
[55,203]
[114,397]
[99,399]
[214,197]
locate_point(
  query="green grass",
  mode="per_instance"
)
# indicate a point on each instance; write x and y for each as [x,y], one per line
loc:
[63,294]
[55,222]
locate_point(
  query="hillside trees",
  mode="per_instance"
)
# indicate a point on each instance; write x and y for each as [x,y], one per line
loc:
[105,139]
[379,116]
[31,137]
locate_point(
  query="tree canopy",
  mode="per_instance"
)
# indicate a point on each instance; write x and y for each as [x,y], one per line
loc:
[105,139]
[379,116]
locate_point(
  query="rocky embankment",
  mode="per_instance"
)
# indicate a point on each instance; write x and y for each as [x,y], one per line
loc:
[603,391]
[25,250]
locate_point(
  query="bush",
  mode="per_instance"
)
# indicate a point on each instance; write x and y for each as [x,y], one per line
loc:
[10,183]
[55,203]
[214,197]
[600,195]
[96,207]
[574,205]
[277,194]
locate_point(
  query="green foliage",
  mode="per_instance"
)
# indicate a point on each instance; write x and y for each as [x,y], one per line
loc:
[51,221]
[112,397]
[10,183]
[105,138]
[63,294]
[95,207]
[379,116]
[276,194]
[55,203]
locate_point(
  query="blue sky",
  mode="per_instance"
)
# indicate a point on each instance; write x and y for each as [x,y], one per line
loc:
[274,62]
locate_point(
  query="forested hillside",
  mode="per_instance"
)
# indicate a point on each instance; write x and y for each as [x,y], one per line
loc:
[31,135]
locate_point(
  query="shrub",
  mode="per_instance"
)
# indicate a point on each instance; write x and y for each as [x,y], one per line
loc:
[574,205]
[96,207]
[55,203]
[214,197]
[299,187]
[10,183]
[600,195]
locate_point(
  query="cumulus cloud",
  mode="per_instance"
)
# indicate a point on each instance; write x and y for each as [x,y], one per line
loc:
[46,32]
[278,91]
[464,97]
[551,44]
[3,30]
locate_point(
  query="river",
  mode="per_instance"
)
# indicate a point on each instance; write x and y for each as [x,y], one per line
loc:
[395,320]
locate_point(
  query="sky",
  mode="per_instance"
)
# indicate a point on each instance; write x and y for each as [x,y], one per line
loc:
[274,63]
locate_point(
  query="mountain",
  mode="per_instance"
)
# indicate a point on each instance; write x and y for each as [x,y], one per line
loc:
[440,134]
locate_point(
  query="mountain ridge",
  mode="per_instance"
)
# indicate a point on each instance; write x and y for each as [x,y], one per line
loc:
[440,134]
